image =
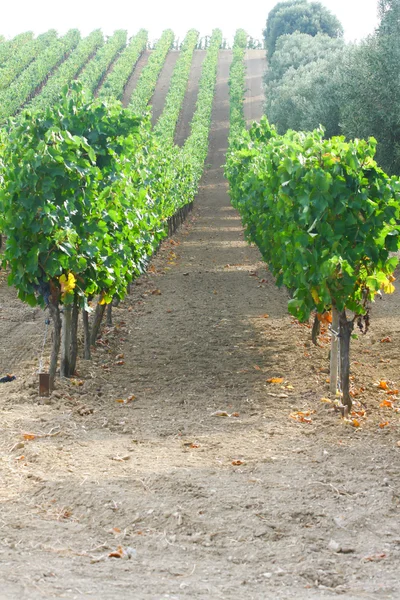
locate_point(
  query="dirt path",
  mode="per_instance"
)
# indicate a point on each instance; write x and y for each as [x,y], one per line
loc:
[162,86]
[254,505]
[185,118]
[138,68]
[254,97]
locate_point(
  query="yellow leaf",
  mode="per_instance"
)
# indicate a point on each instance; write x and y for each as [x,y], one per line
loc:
[326,400]
[388,287]
[315,296]
[275,380]
[67,283]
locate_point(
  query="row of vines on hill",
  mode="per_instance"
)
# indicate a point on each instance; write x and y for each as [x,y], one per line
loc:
[323,214]
[87,189]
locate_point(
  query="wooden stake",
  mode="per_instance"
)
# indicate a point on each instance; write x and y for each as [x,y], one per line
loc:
[44,384]
[334,352]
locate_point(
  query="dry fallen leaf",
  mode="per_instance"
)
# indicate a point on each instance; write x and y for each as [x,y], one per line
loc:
[220,413]
[386,340]
[120,362]
[386,404]
[265,316]
[375,557]
[326,400]
[119,553]
[256,367]
[275,380]
[156,292]
[392,392]
[29,436]
[355,423]
[383,385]
[384,424]
[237,463]
[302,417]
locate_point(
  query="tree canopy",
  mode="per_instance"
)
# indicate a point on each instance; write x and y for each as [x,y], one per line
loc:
[370,90]
[299,15]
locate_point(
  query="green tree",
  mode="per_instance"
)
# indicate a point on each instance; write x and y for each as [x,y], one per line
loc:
[302,83]
[299,15]
[370,88]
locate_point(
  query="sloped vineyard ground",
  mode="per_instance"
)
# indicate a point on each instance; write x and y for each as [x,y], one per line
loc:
[253,504]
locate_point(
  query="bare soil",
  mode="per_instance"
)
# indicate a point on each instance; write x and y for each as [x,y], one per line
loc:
[162,86]
[257,504]
[137,69]
[182,130]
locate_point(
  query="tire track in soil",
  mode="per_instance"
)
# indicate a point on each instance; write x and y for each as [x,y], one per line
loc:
[132,82]
[202,527]
[162,86]
[182,130]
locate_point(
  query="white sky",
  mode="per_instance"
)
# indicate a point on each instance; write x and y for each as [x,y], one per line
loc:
[359,17]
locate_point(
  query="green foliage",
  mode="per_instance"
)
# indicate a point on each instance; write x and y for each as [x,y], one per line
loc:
[68,70]
[237,84]
[72,200]
[97,68]
[23,88]
[297,50]
[195,149]
[303,82]
[148,77]
[322,213]
[115,82]
[370,90]
[165,127]
[87,190]
[23,56]
[298,15]
[8,49]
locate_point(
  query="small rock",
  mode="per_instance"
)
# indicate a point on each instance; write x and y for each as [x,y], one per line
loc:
[334,546]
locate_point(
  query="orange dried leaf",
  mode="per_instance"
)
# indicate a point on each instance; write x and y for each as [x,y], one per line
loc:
[275,380]
[235,414]
[120,362]
[384,424]
[237,463]
[156,292]
[29,436]
[265,316]
[392,392]
[257,368]
[386,340]
[355,423]
[116,530]
[375,557]
[383,385]
[386,404]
